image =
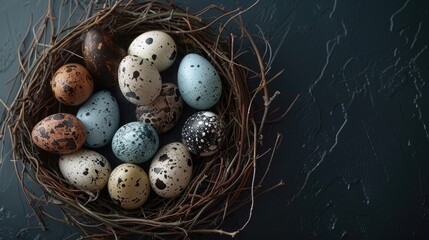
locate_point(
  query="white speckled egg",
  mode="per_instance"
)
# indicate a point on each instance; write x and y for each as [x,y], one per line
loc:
[163,113]
[129,186]
[138,79]
[135,142]
[198,82]
[155,46]
[170,170]
[85,169]
[100,116]
[203,133]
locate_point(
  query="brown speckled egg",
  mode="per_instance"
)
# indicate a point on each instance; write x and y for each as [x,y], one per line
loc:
[128,186]
[72,84]
[163,113]
[102,57]
[59,133]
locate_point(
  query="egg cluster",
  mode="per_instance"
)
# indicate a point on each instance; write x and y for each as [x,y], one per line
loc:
[98,124]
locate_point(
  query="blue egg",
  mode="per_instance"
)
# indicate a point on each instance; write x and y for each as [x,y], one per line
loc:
[135,142]
[100,116]
[198,82]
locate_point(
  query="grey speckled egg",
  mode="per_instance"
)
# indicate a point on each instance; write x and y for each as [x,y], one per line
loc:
[129,186]
[203,133]
[100,116]
[163,113]
[198,82]
[85,169]
[135,142]
[170,170]
[155,46]
[139,81]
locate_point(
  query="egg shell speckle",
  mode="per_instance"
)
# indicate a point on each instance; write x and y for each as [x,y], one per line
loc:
[198,82]
[139,81]
[72,84]
[163,113]
[135,142]
[100,116]
[85,169]
[170,170]
[129,186]
[59,133]
[157,47]
[203,133]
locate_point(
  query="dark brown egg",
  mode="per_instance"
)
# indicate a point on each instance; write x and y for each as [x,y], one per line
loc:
[102,57]
[59,133]
[72,84]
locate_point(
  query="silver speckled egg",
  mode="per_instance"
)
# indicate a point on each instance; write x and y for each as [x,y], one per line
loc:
[135,142]
[170,170]
[163,113]
[85,169]
[203,133]
[100,116]
[128,186]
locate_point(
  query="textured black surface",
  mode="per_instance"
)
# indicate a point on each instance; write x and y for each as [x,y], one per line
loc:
[355,155]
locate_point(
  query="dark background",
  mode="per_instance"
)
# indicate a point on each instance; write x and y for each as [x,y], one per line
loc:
[355,152]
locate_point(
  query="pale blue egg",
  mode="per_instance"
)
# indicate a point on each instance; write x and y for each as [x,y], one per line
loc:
[199,82]
[135,142]
[100,116]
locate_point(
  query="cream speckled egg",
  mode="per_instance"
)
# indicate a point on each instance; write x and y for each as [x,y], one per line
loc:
[163,113]
[129,186]
[170,170]
[85,169]
[139,81]
[155,46]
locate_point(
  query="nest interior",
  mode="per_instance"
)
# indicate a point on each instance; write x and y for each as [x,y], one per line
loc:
[220,183]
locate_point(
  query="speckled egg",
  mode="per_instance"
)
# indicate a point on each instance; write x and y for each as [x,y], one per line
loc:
[135,142]
[198,82]
[170,170]
[155,46]
[129,186]
[203,133]
[163,113]
[102,57]
[59,133]
[100,116]
[85,169]
[139,81]
[72,84]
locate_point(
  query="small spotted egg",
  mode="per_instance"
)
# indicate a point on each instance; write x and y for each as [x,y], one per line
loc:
[203,133]
[59,133]
[155,46]
[170,170]
[198,82]
[85,169]
[139,81]
[135,142]
[100,115]
[128,186]
[163,113]
[72,84]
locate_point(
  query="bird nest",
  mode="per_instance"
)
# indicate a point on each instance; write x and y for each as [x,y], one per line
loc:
[220,183]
